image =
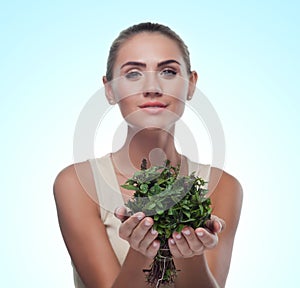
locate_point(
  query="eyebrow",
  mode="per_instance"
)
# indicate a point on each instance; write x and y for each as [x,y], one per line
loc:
[163,63]
[133,63]
[140,64]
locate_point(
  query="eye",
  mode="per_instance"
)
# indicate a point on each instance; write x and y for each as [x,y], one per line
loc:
[133,75]
[168,73]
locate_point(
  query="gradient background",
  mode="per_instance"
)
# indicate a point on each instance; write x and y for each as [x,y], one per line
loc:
[53,56]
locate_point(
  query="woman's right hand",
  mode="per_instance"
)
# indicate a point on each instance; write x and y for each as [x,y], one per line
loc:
[137,230]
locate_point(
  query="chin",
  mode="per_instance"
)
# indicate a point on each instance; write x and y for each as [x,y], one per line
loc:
[153,124]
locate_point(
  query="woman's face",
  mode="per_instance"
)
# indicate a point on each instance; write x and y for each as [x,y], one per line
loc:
[150,81]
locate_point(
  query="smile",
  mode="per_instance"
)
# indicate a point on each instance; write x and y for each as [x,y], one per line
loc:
[155,104]
[153,107]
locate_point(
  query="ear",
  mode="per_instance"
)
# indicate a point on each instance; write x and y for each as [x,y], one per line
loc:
[108,91]
[192,84]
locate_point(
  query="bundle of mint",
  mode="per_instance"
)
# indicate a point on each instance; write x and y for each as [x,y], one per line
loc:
[173,202]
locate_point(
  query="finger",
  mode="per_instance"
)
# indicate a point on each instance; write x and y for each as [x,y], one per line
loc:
[182,245]
[195,245]
[139,233]
[209,240]
[150,236]
[127,227]
[152,249]
[222,225]
[215,224]
[174,249]
[122,213]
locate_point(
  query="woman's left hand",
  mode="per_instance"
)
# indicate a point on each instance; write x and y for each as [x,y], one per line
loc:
[191,242]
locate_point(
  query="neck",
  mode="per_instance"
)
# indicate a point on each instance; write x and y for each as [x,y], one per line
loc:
[154,145]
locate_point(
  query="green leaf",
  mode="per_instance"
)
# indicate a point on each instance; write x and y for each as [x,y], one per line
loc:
[160,211]
[168,233]
[180,227]
[130,187]
[188,220]
[144,187]
[150,205]
[170,212]
[187,213]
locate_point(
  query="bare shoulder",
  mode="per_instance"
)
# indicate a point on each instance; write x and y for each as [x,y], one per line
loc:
[73,193]
[66,176]
[75,181]
[69,175]
[223,184]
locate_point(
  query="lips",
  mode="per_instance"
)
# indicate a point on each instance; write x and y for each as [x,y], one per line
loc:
[153,104]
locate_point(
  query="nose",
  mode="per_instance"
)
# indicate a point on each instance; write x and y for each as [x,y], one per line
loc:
[151,85]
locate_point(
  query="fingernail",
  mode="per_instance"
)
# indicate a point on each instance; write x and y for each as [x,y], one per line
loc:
[147,223]
[117,212]
[221,227]
[186,232]
[155,244]
[178,236]
[139,216]
[153,232]
[172,241]
[200,233]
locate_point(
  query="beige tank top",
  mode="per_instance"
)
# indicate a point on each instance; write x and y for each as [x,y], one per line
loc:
[110,197]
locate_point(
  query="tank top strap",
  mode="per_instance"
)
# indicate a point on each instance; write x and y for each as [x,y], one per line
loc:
[107,187]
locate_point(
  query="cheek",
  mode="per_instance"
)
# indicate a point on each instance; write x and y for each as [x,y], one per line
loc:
[125,106]
[179,107]
[122,89]
[177,89]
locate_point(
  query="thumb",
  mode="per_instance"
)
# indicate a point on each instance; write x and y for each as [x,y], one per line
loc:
[122,213]
[215,224]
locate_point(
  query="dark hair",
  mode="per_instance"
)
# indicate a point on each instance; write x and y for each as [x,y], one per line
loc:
[140,28]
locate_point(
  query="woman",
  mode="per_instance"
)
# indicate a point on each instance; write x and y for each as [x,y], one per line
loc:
[150,78]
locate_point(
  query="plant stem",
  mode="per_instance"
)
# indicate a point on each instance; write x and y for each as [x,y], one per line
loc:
[162,269]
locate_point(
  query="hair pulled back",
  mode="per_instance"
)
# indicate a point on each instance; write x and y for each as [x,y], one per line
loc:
[141,28]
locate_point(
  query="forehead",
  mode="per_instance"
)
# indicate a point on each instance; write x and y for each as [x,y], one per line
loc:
[145,47]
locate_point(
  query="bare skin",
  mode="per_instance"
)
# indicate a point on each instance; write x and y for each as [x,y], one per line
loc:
[203,255]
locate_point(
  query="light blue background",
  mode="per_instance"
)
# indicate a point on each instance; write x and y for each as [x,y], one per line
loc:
[53,56]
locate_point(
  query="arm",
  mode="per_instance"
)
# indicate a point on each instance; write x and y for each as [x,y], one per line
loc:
[227,200]
[83,231]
